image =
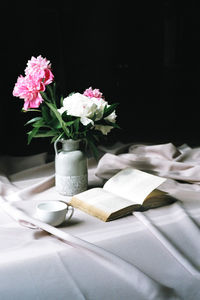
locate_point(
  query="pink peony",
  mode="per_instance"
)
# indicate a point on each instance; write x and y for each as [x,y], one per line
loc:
[90,93]
[38,75]
[41,68]
[28,88]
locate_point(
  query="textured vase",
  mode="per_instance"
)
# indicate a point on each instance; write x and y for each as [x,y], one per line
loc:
[71,172]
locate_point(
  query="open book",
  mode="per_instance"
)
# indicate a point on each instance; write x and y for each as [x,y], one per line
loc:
[128,190]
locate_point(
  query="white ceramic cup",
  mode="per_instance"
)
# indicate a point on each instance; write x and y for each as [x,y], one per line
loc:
[53,212]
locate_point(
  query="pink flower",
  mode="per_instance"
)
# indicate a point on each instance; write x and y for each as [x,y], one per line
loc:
[93,93]
[28,88]
[41,68]
[38,75]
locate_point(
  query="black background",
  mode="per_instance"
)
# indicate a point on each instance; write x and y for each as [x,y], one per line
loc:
[143,54]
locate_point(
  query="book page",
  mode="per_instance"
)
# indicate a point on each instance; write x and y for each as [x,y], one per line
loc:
[100,199]
[133,184]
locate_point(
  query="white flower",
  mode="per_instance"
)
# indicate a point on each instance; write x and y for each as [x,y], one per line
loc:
[88,109]
[78,105]
[85,121]
[105,129]
[112,117]
[100,105]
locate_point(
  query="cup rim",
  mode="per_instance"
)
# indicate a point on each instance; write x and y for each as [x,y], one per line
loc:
[52,206]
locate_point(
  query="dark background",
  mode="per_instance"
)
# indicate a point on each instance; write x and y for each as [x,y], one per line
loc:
[143,54]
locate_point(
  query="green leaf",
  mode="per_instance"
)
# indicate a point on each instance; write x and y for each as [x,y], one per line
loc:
[50,90]
[44,96]
[32,133]
[114,125]
[55,124]
[54,89]
[76,125]
[69,123]
[53,139]
[30,109]
[46,114]
[61,101]
[109,109]
[42,134]
[58,116]
[56,113]
[41,124]
[57,137]
[33,120]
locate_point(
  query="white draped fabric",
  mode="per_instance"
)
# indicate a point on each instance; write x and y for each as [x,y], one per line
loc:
[150,255]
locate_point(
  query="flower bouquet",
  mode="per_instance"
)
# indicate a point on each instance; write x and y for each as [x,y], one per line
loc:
[86,116]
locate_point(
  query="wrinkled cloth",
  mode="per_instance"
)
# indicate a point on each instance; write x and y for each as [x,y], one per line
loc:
[75,260]
[180,165]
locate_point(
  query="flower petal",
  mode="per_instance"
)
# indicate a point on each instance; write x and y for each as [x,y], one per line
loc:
[85,121]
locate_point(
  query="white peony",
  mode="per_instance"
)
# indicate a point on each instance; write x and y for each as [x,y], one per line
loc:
[88,109]
[78,105]
[100,105]
[112,117]
[105,129]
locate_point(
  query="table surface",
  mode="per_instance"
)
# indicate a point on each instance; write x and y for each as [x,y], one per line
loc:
[131,259]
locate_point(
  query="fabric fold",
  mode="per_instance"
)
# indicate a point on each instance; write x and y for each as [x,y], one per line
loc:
[180,165]
[126,271]
[175,252]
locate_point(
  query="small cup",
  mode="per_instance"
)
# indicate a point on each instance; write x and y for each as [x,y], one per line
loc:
[53,212]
